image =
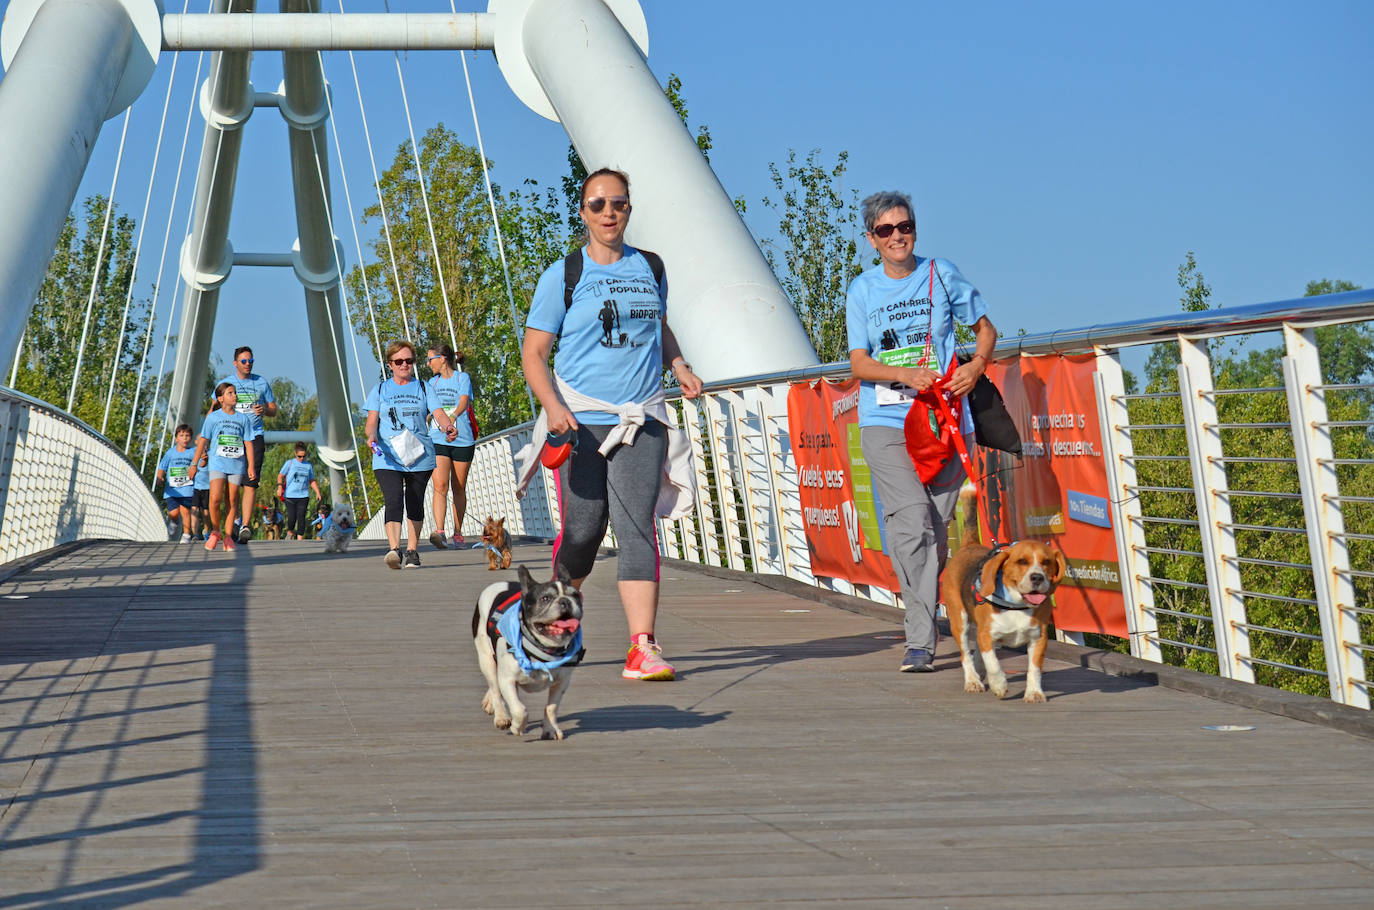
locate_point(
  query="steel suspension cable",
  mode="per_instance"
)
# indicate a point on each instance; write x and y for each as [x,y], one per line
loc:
[162,260]
[424,198]
[18,351]
[138,244]
[495,220]
[343,298]
[171,315]
[381,200]
[357,245]
[99,261]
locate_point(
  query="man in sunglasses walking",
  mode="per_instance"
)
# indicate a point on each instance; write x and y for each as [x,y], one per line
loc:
[900,316]
[255,398]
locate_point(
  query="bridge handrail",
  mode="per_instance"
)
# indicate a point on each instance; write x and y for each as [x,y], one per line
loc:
[748,512]
[61,480]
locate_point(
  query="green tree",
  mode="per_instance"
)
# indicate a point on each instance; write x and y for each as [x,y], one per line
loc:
[816,255]
[1259,450]
[462,295]
[47,355]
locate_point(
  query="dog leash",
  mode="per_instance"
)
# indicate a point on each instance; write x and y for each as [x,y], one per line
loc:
[947,412]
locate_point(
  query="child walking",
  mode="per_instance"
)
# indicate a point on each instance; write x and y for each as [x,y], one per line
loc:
[175,471]
[224,435]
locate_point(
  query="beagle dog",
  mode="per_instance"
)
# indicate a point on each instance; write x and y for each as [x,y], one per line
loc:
[1000,596]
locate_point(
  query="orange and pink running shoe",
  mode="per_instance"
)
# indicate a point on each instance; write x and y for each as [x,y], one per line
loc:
[645,660]
[229,544]
[212,541]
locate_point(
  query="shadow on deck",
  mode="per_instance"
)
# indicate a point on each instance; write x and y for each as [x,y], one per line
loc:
[280,728]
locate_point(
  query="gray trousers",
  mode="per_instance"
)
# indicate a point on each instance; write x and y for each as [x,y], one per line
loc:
[916,518]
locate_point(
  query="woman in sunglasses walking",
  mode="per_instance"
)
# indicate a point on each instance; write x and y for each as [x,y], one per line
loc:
[605,306]
[402,452]
[900,316]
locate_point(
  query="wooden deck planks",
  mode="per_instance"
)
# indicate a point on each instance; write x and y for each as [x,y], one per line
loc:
[280,728]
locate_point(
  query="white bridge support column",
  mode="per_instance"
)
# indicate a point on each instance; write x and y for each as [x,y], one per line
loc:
[226,101]
[318,257]
[727,309]
[69,66]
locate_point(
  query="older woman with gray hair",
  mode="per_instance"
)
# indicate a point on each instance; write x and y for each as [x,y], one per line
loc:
[901,316]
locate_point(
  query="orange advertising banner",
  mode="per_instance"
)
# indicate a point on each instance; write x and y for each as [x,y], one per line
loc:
[1058,490]
[844,530]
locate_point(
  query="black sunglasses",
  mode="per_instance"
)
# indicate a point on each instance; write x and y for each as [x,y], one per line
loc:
[400,360]
[884,231]
[618,203]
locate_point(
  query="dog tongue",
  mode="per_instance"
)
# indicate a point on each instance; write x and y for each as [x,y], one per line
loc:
[1034,599]
[565,625]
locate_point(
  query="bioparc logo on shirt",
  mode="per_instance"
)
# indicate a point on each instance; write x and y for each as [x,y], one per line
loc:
[635,310]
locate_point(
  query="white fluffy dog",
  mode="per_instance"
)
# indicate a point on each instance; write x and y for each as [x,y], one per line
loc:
[338,528]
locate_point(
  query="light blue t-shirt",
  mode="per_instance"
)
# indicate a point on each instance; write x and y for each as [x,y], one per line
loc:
[449,391]
[177,462]
[202,479]
[908,321]
[611,339]
[227,435]
[401,407]
[253,390]
[298,476]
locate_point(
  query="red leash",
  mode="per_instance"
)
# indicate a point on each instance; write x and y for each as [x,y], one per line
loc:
[947,413]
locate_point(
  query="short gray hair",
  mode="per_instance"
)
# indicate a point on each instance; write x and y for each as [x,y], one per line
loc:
[875,205]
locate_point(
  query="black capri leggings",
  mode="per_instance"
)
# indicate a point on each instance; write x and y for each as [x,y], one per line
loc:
[621,488]
[403,488]
[296,516]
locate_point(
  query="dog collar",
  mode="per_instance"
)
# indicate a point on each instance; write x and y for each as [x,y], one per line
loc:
[998,598]
[533,658]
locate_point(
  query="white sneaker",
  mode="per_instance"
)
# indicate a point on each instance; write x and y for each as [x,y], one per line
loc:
[186,538]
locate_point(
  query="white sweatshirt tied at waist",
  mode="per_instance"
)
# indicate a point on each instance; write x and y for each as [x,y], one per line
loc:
[675,494]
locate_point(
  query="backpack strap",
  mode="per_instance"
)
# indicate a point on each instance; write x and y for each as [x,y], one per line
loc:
[572,272]
[655,265]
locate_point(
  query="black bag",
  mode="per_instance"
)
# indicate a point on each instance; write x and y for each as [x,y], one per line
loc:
[992,425]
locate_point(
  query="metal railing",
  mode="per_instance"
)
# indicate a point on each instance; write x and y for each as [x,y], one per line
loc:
[1243,512]
[61,481]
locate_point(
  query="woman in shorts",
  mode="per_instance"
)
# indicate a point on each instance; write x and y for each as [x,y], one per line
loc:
[224,437]
[452,461]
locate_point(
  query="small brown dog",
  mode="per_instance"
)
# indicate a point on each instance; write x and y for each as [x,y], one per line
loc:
[497,543]
[1000,596]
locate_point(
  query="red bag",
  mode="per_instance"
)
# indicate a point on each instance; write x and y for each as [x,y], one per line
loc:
[932,427]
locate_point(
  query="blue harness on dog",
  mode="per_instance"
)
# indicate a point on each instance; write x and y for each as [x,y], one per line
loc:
[507,621]
[998,598]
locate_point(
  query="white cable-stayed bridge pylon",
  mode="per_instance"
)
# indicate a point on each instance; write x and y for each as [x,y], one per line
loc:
[719,276]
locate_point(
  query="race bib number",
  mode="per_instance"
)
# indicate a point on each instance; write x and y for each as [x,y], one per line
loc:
[229,447]
[919,355]
[177,477]
[246,402]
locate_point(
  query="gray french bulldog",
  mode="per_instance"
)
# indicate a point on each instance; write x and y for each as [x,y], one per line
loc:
[528,637]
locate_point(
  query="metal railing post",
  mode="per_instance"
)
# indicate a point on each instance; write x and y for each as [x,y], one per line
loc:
[1195,389]
[1119,459]
[1324,517]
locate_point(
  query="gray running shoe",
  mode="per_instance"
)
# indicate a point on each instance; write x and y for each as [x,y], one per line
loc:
[917,660]
[411,561]
[393,559]
[439,540]
[245,534]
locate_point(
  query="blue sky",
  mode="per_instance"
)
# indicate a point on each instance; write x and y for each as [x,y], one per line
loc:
[1065,155]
